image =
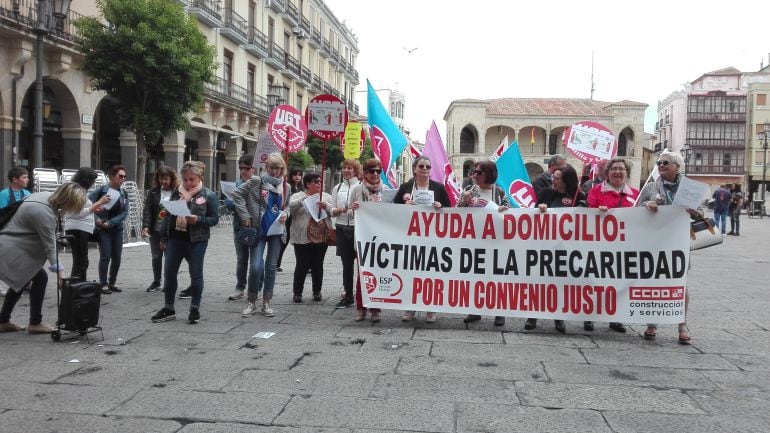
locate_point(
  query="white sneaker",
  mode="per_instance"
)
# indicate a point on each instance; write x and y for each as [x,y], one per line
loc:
[267,311]
[249,310]
[237,294]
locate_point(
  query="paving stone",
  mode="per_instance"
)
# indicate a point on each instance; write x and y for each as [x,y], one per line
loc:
[459,389]
[62,398]
[463,336]
[740,380]
[504,369]
[652,358]
[359,363]
[182,375]
[559,340]
[629,422]
[28,421]
[245,428]
[448,349]
[493,418]
[37,371]
[243,407]
[602,397]
[412,415]
[655,377]
[303,382]
[376,333]
[743,403]
[750,362]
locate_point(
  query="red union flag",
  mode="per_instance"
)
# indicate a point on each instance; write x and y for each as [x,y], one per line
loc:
[288,128]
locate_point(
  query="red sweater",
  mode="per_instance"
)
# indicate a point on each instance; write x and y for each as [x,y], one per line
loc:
[604,195]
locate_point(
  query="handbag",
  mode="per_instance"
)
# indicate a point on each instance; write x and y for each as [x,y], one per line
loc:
[331,235]
[320,232]
[704,234]
[248,236]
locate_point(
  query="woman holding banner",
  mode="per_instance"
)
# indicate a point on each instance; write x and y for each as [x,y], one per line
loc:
[661,192]
[344,223]
[613,192]
[481,193]
[564,192]
[411,192]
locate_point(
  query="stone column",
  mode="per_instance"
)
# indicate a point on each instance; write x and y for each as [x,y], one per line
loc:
[6,147]
[128,153]
[173,150]
[207,142]
[78,143]
[231,158]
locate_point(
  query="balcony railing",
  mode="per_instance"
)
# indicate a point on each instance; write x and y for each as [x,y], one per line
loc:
[317,84]
[326,48]
[292,14]
[277,56]
[715,169]
[305,24]
[24,13]
[207,11]
[234,95]
[315,38]
[716,117]
[292,65]
[277,5]
[716,143]
[257,44]
[236,28]
[306,75]
[327,87]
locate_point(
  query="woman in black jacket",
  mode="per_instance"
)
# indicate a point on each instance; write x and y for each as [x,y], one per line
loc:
[163,184]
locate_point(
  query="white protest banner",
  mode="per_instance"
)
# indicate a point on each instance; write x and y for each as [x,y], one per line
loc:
[625,265]
[590,141]
[265,146]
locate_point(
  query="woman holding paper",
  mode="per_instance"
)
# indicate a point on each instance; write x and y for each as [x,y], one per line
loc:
[484,193]
[613,192]
[261,203]
[661,192]
[109,227]
[81,225]
[345,225]
[164,183]
[564,192]
[421,190]
[309,210]
[185,235]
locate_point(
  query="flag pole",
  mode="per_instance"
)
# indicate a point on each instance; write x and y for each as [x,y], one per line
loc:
[645,184]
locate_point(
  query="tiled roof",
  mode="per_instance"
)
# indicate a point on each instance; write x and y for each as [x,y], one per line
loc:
[545,107]
[724,71]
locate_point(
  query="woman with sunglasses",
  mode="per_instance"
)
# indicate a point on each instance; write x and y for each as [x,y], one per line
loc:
[345,225]
[661,192]
[109,227]
[613,192]
[309,236]
[370,189]
[405,195]
[563,192]
[480,194]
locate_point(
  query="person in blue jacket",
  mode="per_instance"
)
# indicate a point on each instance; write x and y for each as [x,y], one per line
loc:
[109,227]
[18,178]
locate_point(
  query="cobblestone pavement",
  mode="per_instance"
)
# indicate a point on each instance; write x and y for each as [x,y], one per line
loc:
[322,371]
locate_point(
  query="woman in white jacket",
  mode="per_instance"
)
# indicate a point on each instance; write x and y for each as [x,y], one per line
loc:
[345,225]
[81,225]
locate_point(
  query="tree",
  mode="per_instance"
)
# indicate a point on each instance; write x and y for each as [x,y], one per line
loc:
[153,60]
[367,153]
[334,156]
[300,159]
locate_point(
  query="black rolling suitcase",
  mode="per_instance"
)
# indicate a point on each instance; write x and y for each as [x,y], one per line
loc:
[79,308]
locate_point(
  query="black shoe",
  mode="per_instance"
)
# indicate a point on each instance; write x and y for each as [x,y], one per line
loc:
[472,318]
[279,269]
[530,324]
[618,327]
[106,290]
[297,299]
[115,289]
[731,233]
[317,297]
[154,287]
[186,293]
[499,321]
[559,325]
[164,315]
[344,303]
[588,326]
[194,316]
[737,234]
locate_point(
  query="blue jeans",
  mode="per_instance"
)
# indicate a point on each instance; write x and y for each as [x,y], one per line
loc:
[259,272]
[110,252]
[241,264]
[193,252]
[720,218]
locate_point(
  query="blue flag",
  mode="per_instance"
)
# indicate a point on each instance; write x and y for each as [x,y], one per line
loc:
[387,140]
[512,177]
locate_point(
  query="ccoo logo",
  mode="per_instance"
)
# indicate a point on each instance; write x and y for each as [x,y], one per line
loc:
[522,192]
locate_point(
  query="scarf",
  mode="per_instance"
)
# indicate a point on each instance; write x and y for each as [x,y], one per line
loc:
[276,185]
[181,222]
[373,191]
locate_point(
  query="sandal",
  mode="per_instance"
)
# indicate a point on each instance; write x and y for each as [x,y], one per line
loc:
[684,336]
[649,333]
[360,315]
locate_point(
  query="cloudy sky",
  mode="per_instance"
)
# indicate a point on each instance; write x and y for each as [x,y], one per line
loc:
[484,49]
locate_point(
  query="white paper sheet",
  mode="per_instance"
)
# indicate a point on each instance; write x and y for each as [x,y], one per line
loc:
[311,206]
[177,207]
[114,196]
[423,197]
[690,193]
[276,228]
[492,206]
[227,188]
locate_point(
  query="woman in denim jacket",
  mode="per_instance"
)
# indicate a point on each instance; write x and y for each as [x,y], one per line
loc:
[187,238]
[109,227]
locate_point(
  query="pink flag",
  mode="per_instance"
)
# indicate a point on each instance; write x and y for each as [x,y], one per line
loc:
[441,170]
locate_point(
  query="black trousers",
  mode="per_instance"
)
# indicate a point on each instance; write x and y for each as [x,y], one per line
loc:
[36,296]
[79,246]
[309,257]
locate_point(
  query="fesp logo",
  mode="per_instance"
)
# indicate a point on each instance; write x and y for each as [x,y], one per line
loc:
[522,192]
[370,281]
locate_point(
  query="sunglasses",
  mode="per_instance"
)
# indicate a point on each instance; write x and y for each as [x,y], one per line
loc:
[244,167]
[374,171]
[122,176]
[663,163]
[477,172]
[316,181]
[424,167]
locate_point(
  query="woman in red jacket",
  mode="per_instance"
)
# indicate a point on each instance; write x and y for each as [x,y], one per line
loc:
[614,192]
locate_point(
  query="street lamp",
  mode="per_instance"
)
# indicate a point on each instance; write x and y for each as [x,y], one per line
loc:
[765,133]
[45,9]
[685,154]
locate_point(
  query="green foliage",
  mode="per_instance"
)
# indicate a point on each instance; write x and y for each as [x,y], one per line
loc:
[367,153]
[334,156]
[300,159]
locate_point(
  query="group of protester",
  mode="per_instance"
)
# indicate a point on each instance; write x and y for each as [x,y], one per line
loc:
[296,203]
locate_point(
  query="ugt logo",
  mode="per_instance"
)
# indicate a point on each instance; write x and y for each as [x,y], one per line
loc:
[522,192]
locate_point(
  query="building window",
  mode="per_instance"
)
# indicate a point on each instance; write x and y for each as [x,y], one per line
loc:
[250,81]
[299,102]
[761,99]
[726,159]
[468,140]
[227,67]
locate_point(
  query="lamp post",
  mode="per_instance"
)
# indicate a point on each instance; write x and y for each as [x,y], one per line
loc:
[685,154]
[765,133]
[45,10]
